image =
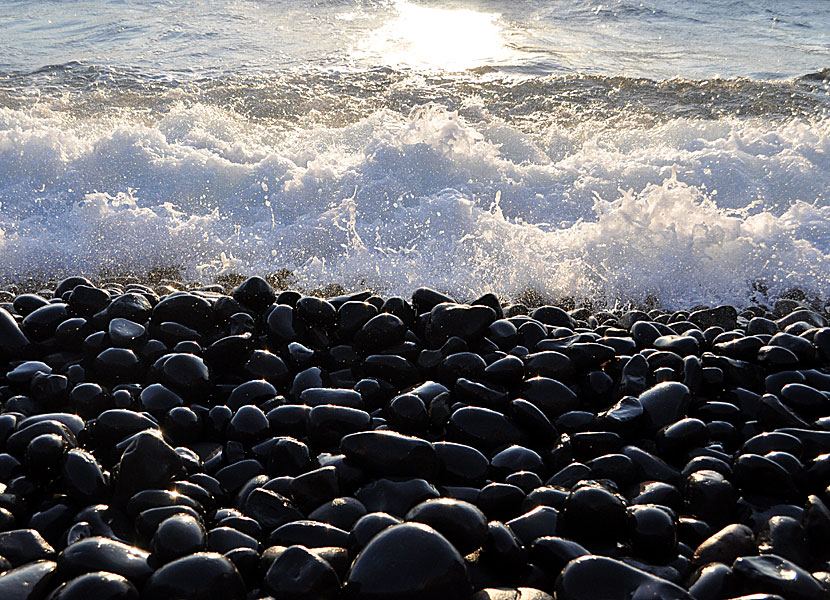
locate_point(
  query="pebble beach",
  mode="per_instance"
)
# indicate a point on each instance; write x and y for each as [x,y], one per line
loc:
[414,300]
[250,443]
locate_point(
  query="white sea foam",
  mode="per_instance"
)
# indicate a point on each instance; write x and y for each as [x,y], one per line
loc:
[687,210]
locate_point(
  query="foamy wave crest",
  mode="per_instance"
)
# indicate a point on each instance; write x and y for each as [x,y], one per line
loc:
[687,210]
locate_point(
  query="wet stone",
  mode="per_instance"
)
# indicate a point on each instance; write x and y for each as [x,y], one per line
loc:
[99,585]
[539,522]
[311,534]
[395,496]
[27,582]
[21,546]
[599,577]
[726,545]
[103,554]
[390,453]
[773,574]
[462,523]
[298,573]
[177,536]
[254,293]
[434,568]
[197,576]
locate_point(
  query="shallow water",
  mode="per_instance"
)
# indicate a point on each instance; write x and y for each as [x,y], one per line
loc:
[616,150]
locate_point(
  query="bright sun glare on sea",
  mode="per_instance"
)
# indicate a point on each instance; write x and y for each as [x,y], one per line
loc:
[422,37]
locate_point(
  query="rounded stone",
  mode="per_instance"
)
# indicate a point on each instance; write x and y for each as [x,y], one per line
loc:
[462,523]
[201,576]
[98,586]
[433,567]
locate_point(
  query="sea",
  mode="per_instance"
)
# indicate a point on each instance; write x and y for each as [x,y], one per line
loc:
[618,151]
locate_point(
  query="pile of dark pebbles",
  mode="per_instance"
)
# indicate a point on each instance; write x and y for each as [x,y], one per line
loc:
[172,445]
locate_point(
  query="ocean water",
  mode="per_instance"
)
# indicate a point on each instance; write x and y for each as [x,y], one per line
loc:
[614,150]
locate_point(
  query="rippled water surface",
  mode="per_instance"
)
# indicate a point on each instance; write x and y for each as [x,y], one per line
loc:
[613,150]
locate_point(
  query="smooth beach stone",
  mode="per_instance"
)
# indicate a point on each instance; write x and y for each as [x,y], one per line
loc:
[502,593]
[776,575]
[623,417]
[483,428]
[178,536]
[156,498]
[395,496]
[255,293]
[816,522]
[785,537]
[186,309]
[103,554]
[447,320]
[254,392]
[86,300]
[726,545]
[24,372]
[262,364]
[342,512]
[552,553]
[721,316]
[131,305]
[298,574]
[12,339]
[352,315]
[311,534]
[147,462]
[332,396]
[185,374]
[433,567]
[124,333]
[83,477]
[644,333]
[653,533]
[805,400]
[593,513]
[287,456]
[682,345]
[315,311]
[21,546]
[665,403]
[367,527]
[552,397]
[156,398]
[225,539]
[650,467]
[201,576]
[681,436]
[462,523]
[395,369]
[756,474]
[478,394]
[517,458]
[315,487]
[602,578]
[424,299]
[248,425]
[328,424]
[40,324]
[28,582]
[98,585]
[550,363]
[503,333]
[460,463]
[505,371]
[390,453]
[539,522]
[381,331]
[526,480]
[461,364]
[270,509]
